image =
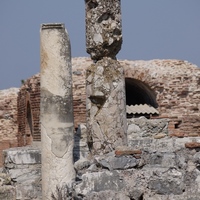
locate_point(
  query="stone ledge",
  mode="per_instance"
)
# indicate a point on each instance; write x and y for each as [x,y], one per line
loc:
[22,156]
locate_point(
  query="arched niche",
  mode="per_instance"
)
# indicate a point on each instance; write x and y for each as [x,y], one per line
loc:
[138,93]
[29,124]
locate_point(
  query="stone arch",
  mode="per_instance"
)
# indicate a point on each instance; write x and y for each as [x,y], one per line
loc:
[137,92]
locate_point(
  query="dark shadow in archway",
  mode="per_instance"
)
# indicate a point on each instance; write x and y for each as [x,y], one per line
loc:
[29,128]
[138,92]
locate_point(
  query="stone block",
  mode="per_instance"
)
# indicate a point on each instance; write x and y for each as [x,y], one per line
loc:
[23,164]
[22,156]
[112,162]
[99,181]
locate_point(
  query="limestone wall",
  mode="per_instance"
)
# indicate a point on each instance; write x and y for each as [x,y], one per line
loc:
[8,119]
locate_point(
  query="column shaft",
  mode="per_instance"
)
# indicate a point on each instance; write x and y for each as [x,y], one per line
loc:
[56,110]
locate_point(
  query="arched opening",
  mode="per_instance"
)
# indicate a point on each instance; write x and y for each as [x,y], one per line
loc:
[29,124]
[140,94]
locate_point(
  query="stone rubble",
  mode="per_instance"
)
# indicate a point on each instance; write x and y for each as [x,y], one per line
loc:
[147,168]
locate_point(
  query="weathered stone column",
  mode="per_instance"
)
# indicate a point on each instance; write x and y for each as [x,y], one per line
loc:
[105,84]
[56,110]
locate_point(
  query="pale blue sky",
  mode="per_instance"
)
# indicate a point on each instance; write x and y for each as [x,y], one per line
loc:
[152,29]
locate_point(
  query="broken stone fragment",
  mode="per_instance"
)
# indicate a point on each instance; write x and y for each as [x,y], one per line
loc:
[103,28]
[113,162]
[159,135]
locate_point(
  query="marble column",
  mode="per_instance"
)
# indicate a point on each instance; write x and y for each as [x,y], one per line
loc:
[56,110]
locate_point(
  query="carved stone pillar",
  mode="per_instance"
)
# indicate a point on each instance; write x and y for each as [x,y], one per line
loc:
[56,110]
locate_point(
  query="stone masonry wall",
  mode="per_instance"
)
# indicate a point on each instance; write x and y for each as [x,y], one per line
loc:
[176,85]
[8,119]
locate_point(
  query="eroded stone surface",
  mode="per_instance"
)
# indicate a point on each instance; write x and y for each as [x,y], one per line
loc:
[106,107]
[103,28]
[56,109]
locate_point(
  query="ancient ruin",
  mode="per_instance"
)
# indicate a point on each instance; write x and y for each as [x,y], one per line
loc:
[155,157]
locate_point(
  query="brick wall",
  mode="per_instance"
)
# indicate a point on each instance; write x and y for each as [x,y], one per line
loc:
[8,120]
[29,111]
[176,85]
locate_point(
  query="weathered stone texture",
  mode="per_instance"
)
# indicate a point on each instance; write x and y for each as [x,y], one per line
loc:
[8,119]
[56,109]
[103,28]
[106,109]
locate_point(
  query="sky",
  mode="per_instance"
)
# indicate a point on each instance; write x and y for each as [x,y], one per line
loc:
[156,29]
